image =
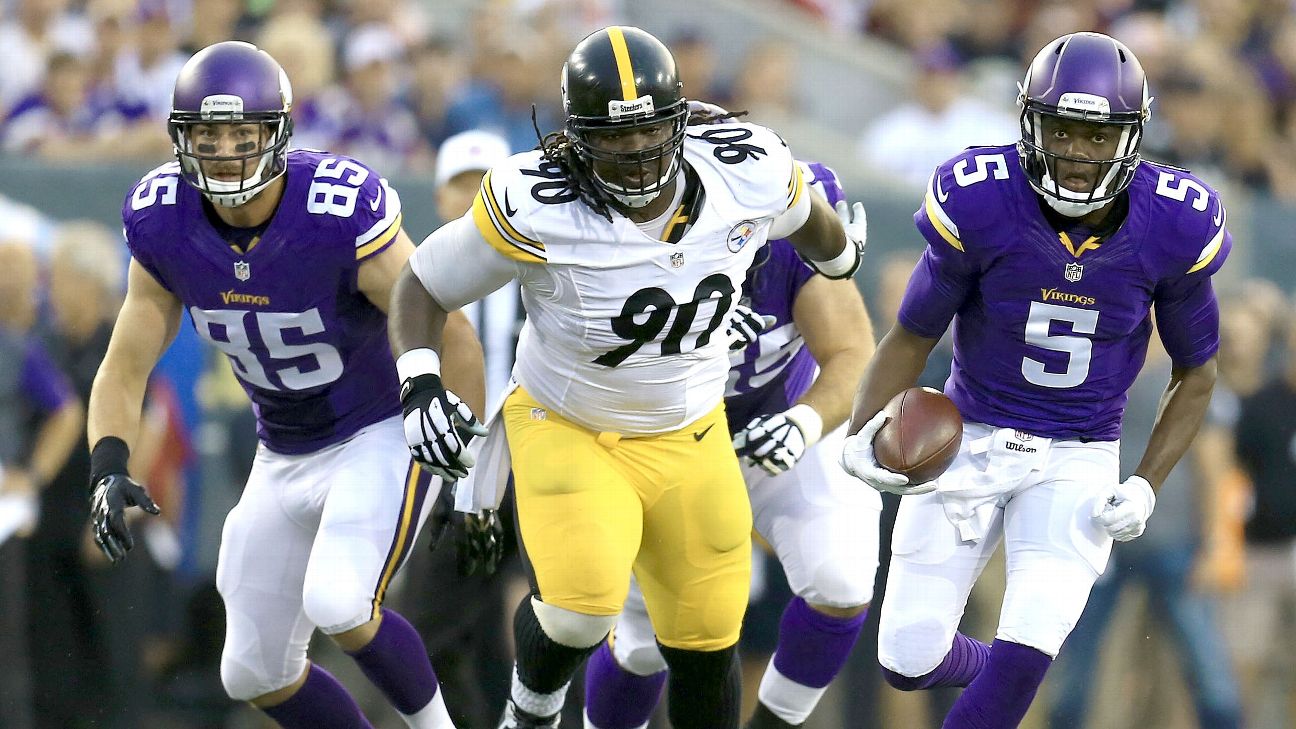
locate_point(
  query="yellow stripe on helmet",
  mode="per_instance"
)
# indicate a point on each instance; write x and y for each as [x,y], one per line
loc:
[629,92]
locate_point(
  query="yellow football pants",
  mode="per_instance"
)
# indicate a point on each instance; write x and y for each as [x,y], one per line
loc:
[672,507]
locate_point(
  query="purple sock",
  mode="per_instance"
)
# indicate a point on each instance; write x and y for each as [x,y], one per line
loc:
[616,698]
[321,703]
[962,664]
[1000,695]
[813,647]
[398,664]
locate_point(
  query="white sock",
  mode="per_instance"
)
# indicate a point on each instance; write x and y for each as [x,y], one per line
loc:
[790,701]
[432,716]
[537,703]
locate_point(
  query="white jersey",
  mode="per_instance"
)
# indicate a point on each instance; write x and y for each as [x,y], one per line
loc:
[621,326]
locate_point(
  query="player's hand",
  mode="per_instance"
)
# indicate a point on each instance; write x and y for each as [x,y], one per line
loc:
[1124,511]
[479,543]
[744,326]
[858,460]
[113,495]
[478,538]
[855,221]
[438,425]
[777,441]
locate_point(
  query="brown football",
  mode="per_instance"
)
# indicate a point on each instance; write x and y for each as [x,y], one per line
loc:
[922,437]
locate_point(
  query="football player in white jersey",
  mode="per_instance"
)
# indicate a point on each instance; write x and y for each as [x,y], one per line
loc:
[788,398]
[630,232]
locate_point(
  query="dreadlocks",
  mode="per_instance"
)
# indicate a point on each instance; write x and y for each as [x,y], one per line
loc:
[559,149]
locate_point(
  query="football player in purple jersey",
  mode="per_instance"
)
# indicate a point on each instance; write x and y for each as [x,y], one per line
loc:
[285,261]
[1050,257]
[788,418]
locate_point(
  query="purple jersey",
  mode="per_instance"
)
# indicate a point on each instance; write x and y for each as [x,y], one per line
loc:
[773,372]
[308,347]
[1050,328]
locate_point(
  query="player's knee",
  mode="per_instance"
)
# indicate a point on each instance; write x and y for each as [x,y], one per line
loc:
[641,659]
[840,584]
[913,649]
[336,608]
[570,628]
[245,683]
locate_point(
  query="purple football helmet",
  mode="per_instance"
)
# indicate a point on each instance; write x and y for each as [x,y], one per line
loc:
[1087,77]
[231,83]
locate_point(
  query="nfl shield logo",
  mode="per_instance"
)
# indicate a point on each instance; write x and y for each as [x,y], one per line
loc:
[677,259]
[242,271]
[1073,272]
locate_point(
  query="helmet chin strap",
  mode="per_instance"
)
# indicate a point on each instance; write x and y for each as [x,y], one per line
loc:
[232,194]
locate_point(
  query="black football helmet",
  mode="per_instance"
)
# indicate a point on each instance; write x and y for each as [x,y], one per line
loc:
[625,112]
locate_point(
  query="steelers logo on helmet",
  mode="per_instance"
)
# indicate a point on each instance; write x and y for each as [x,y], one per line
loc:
[1083,105]
[230,121]
[625,113]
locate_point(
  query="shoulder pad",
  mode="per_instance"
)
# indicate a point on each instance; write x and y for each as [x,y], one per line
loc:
[1186,217]
[502,210]
[967,193]
[753,162]
[150,198]
[822,179]
[346,199]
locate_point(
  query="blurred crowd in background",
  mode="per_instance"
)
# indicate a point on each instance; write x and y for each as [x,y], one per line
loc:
[388,81]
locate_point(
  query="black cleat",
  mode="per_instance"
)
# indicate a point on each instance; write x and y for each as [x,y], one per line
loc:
[766,719]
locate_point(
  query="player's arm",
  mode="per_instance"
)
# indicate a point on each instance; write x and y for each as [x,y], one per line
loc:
[1187,317]
[454,266]
[944,278]
[831,318]
[463,359]
[832,242]
[146,325]
[1182,409]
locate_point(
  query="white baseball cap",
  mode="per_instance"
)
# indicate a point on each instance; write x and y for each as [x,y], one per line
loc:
[471,150]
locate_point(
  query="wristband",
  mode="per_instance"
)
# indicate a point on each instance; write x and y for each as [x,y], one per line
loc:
[843,265]
[420,361]
[109,455]
[808,420]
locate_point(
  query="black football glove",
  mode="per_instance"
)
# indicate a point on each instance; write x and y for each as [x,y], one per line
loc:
[113,494]
[478,539]
[438,426]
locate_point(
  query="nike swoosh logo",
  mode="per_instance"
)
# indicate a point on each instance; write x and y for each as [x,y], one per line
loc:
[941,195]
[509,210]
[700,436]
[377,199]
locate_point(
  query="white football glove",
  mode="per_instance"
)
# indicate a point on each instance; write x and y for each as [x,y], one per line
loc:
[855,221]
[858,460]
[438,425]
[776,442]
[744,325]
[1123,513]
